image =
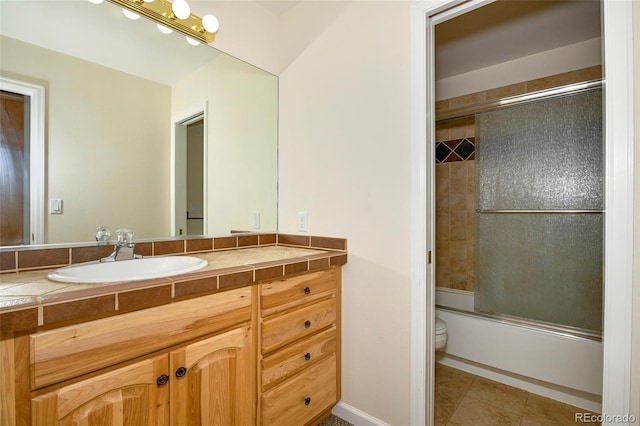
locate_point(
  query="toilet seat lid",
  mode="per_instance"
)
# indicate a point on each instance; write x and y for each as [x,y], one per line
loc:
[440,325]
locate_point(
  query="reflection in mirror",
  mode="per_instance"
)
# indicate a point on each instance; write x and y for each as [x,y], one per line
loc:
[118,94]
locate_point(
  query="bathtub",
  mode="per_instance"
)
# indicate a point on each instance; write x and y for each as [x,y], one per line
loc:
[549,363]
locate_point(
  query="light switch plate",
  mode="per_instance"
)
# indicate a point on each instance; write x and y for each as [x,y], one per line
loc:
[55,205]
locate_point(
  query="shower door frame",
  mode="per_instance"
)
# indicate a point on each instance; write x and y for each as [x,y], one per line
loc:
[617,63]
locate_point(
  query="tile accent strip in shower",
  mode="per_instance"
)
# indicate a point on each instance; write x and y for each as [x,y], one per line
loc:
[456,150]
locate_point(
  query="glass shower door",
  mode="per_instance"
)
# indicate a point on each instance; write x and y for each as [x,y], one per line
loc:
[540,218]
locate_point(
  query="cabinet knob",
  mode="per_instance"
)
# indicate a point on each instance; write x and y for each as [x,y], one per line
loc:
[307,401]
[162,380]
[307,290]
[180,372]
[307,324]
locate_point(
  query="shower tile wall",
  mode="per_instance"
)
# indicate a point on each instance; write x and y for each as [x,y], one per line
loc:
[455,204]
[455,179]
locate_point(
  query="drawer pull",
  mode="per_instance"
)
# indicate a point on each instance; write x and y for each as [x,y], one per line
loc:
[307,356]
[307,401]
[180,372]
[307,324]
[162,380]
[307,290]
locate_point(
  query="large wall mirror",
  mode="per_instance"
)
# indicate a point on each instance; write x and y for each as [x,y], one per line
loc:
[142,130]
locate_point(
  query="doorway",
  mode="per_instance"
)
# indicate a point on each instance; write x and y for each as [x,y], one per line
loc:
[22,163]
[14,173]
[190,195]
[618,242]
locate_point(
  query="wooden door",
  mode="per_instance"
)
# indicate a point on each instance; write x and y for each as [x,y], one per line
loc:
[129,396]
[213,381]
[14,170]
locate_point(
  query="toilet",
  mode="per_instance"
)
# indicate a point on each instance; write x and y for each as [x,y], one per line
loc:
[441,334]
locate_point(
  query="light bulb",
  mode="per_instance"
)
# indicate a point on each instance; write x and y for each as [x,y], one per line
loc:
[129,14]
[192,41]
[96,1]
[163,29]
[181,9]
[210,23]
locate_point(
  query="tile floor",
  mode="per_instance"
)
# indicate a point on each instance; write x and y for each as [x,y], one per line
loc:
[466,399]
[333,420]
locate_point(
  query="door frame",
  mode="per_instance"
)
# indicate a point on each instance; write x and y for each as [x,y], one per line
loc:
[36,94]
[619,198]
[179,139]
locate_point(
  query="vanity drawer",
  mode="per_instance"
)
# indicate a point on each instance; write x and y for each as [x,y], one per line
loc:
[287,362]
[278,296]
[297,401]
[280,330]
[71,351]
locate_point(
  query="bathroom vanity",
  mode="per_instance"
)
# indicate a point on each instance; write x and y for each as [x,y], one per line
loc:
[244,344]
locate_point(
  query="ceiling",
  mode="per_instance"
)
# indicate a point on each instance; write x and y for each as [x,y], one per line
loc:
[510,29]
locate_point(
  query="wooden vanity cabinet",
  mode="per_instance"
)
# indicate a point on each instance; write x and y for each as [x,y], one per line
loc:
[299,370]
[208,380]
[267,354]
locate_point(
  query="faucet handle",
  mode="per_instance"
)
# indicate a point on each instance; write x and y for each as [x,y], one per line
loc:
[125,236]
[102,234]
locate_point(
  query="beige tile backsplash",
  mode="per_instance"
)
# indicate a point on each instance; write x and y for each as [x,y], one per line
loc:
[455,225]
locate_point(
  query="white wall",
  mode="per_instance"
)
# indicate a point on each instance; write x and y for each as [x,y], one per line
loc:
[100,125]
[241,141]
[247,30]
[556,61]
[344,159]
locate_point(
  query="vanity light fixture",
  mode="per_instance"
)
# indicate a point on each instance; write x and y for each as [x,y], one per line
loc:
[129,14]
[173,16]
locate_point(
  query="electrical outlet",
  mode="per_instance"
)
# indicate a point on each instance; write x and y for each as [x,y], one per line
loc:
[303,221]
[256,220]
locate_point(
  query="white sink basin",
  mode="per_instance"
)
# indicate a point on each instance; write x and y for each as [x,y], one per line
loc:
[127,270]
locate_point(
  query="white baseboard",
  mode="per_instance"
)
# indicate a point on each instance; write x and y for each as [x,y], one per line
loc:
[355,416]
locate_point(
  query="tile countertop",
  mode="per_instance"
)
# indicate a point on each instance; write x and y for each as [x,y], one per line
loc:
[29,299]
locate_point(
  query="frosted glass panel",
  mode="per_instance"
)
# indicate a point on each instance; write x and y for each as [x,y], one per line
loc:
[546,267]
[542,155]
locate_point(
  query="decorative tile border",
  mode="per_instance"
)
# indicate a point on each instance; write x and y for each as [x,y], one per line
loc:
[74,304]
[456,150]
[26,259]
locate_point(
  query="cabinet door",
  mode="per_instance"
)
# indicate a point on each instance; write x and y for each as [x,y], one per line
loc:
[213,381]
[129,396]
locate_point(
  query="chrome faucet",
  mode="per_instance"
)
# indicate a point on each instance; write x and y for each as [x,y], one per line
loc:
[123,249]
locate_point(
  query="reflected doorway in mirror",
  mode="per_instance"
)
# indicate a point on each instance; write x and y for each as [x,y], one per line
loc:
[22,191]
[189,169]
